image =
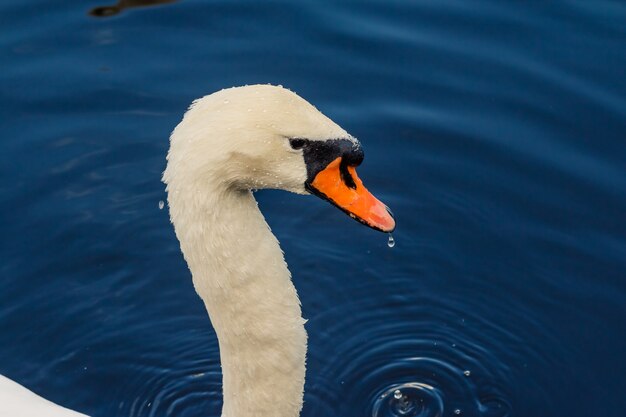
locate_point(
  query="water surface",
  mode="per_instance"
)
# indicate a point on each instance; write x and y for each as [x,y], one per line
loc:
[494,130]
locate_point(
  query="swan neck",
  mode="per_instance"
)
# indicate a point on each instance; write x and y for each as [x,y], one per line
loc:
[239,272]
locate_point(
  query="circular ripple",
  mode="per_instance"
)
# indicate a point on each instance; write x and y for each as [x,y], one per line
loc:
[421,359]
[409,400]
[190,387]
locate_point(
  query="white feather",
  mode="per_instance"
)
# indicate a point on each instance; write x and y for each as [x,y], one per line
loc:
[17,401]
[228,143]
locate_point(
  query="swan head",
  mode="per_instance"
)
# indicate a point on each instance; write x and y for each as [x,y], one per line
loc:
[264,136]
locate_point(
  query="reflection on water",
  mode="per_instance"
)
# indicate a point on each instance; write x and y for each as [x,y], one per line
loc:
[106,11]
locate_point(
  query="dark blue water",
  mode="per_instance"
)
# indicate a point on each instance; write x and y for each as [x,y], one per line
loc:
[494,130]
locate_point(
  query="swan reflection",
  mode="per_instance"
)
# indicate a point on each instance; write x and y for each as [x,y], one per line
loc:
[106,11]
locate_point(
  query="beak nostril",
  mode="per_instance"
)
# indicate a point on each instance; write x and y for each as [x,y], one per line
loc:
[346,177]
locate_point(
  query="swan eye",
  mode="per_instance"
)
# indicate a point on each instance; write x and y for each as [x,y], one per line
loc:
[297,143]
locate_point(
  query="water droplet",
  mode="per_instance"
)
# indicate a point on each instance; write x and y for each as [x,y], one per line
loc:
[408,400]
[467,373]
[161,204]
[391,242]
[457,412]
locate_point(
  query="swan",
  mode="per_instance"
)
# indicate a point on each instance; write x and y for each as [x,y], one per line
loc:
[17,401]
[230,143]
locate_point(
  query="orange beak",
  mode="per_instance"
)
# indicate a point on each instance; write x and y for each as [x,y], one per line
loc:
[339,184]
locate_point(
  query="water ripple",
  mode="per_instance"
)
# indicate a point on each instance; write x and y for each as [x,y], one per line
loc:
[415,361]
[411,399]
